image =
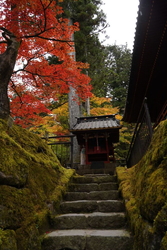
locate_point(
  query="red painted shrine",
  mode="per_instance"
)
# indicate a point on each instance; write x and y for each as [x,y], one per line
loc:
[96,135]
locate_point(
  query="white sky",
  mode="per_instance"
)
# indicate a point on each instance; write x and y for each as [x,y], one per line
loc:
[122,17]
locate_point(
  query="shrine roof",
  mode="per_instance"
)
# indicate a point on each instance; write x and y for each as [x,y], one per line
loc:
[96,123]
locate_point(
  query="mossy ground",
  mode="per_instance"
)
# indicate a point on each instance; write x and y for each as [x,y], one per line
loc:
[32,183]
[144,188]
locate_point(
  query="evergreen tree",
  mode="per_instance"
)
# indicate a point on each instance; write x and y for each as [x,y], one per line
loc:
[114,84]
[91,20]
[115,74]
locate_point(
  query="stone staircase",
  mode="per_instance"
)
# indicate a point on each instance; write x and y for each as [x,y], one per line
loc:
[92,217]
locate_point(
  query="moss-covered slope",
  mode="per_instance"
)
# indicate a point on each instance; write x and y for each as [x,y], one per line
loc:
[32,182]
[144,188]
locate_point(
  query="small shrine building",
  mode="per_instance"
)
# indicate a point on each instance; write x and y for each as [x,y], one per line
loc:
[96,135]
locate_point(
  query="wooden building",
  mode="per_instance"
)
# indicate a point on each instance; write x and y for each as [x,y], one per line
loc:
[96,135]
[146,103]
[148,77]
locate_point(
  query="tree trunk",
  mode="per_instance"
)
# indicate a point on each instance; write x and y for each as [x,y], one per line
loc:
[74,111]
[7,63]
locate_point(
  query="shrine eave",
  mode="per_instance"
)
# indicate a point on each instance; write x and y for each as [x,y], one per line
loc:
[96,123]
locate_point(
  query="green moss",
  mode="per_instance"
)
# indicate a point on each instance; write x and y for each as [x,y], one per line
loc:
[61,188]
[164,242]
[160,222]
[125,177]
[144,190]
[28,237]
[42,219]
[8,240]
[32,182]
[16,206]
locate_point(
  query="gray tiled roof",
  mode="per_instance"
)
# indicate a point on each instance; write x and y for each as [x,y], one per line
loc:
[96,122]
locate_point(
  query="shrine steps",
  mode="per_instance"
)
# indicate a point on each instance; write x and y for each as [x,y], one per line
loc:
[109,168]
[91,217]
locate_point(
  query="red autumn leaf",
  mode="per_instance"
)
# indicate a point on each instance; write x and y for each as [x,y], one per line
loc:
[43,32]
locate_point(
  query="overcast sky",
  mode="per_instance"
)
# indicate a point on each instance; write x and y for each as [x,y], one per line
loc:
[122,17]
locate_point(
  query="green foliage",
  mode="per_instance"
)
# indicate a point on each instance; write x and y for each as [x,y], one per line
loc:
[117,69]
[114,83]
[86,12]
[122,147]
[54,60]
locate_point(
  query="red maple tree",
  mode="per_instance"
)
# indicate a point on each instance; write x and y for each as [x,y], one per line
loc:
[30,32]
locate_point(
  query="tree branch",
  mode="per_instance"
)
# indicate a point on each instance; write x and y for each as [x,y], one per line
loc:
[3,42]
[14,88]
[50,39]
[10,34]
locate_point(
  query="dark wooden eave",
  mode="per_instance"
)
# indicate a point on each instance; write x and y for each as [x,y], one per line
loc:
[148,77]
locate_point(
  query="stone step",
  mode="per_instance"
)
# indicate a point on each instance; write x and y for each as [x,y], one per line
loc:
[95,179]
[96,171]
[88,239]
[94,195]
[88,206]
[96,220]
[93,187]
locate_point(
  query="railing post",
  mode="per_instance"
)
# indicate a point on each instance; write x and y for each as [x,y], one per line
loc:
[148,118]
[141,138]
[72,141]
